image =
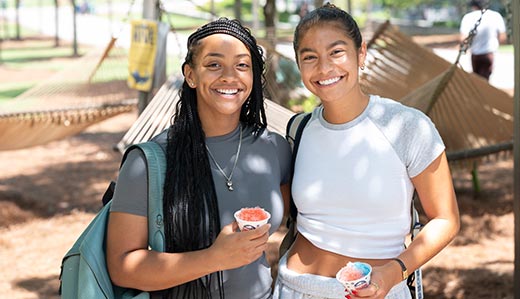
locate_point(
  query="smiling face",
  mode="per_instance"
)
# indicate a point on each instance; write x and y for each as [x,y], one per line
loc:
[222,75]
[329,62]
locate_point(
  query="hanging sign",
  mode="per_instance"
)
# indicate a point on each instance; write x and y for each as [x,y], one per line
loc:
[141,57]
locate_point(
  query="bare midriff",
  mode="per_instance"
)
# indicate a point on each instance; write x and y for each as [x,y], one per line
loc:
[304,257]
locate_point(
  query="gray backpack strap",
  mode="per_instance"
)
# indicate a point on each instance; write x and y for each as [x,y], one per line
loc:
[292,128]
[294,133]
[156,166]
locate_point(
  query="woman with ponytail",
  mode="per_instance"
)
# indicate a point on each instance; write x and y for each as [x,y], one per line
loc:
[220,158]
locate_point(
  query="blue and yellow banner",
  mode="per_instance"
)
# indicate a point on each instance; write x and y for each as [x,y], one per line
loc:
[141,57]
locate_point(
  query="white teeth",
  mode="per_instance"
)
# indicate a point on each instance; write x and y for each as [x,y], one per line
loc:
[227,91]
[329,81]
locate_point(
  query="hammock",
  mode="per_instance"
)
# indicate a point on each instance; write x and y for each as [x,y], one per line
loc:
[64,105]
[474,118]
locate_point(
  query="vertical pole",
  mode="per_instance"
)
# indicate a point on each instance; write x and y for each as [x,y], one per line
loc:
[56,23]
[150,12]
[516,145]
[254,11]
[237,8]
[17,20]
[74,29]
[212,10]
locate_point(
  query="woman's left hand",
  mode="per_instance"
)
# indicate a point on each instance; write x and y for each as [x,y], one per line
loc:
[378,287]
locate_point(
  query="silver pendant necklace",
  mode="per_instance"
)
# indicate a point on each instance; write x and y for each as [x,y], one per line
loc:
[229,182]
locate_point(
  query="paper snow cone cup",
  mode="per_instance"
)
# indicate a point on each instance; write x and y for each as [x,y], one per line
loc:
[251,218]
[354,275]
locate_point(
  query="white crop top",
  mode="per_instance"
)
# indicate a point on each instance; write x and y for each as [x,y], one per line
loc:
[352,183]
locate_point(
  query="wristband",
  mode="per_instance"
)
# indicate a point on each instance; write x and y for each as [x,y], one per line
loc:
[403,268]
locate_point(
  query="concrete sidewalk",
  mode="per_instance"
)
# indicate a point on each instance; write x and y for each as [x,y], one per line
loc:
[503,75]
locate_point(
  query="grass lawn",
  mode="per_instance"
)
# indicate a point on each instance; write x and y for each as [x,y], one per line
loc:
[506,48]
[38,55]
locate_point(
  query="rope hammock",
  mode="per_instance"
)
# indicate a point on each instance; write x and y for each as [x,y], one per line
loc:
[90,91]
[474,118]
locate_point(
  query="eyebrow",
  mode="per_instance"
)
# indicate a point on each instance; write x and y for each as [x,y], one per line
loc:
[220,55]
[332,45]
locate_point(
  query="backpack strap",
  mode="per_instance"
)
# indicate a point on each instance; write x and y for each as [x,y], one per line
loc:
[294,133]
[156,168]
[414,281]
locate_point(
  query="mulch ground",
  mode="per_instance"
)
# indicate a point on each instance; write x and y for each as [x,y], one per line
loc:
[49,193]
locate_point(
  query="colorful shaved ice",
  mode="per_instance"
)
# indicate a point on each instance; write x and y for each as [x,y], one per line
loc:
[355,275]
[354,271]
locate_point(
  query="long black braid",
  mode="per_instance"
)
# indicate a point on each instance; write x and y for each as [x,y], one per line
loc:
[192,220]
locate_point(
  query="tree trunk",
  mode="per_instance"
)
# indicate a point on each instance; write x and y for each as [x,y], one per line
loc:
[74,29]
[238,10]
[270,34]
[56,22]
[17,16]
[270,21]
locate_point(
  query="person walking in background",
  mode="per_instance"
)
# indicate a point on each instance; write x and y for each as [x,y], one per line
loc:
[359,161]
[491,32]
[220,158]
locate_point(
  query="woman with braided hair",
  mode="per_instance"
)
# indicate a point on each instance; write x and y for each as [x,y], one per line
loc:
[220,158]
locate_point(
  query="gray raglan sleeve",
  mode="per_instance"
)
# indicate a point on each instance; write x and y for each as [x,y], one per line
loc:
[130,195]
[424,143]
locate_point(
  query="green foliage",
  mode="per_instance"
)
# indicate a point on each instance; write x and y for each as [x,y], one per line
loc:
[305,105]
[400,4]
[506,48]
[447,24]
[183,23]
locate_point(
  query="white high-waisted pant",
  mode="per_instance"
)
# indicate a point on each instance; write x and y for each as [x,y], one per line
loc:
[292,285]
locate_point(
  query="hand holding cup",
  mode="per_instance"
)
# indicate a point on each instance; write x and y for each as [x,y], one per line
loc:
[251,218]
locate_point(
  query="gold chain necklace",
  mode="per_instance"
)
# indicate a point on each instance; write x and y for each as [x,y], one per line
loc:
[229,182]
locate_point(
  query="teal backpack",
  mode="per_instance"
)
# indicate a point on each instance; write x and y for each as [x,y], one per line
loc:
[84,273]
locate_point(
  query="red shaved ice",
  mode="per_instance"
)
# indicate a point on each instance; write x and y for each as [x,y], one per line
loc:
[252,214]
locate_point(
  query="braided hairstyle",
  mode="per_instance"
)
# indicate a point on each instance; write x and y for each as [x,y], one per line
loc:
[328,13]
[192,220]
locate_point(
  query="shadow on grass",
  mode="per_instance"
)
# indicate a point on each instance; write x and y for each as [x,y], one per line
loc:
[40,58]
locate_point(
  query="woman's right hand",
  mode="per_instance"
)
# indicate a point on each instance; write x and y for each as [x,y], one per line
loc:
[233,248]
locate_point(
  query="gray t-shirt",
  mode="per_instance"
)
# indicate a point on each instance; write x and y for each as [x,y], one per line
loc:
[263,165]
